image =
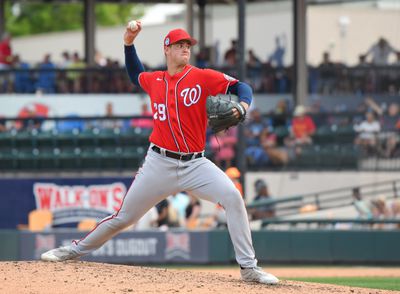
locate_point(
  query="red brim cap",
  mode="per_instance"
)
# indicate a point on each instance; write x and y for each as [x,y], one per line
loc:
[177,35]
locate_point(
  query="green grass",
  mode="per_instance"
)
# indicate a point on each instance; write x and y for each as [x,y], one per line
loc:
[363,282]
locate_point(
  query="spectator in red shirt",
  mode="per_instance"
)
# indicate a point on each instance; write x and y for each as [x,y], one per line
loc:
[5,52]
[303,126]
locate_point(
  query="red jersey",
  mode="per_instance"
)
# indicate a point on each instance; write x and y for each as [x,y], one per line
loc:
[178,103]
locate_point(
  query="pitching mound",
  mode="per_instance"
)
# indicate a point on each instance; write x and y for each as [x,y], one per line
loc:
[86,277]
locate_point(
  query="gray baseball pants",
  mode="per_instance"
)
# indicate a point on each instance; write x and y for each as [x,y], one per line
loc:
[161,176]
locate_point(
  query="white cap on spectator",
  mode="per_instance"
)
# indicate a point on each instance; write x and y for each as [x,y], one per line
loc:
[299,110]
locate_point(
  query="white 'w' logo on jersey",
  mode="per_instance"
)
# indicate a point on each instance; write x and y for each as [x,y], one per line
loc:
[191,95]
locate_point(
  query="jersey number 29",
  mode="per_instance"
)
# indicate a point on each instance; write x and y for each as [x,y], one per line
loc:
[159,112]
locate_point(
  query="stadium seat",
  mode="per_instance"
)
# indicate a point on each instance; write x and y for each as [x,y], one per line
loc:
[25,138]
[27,158]
[8,159]
[7,139]
[324,135]
[135,137]
[111,158]
[132,157]
[88,138]
[45,139]
[109,137]
[90,158]
[47,158]
[68,138]
[39,220]
[68,158]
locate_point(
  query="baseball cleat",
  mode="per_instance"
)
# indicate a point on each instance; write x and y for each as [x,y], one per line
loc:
[256,274]
[59,254]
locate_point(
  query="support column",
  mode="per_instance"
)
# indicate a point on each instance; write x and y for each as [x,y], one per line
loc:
[189,24]
[202,23]
[89,34]
[300,79]
[2,18]
[241,74]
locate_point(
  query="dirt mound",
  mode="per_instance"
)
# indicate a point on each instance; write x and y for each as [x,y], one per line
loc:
[88,277]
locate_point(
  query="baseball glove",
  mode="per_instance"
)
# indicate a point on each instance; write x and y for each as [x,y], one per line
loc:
[220,113]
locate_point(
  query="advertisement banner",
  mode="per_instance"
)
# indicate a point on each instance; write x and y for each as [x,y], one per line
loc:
[74,203]
[69,199]
[127,247]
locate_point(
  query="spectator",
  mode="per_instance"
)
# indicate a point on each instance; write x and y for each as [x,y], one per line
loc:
[74,75]
[276,156]
[110,123]
[223,147]
[359,74]
[62,80]
[254,69]
[179,202]
[5,52]
[234,174]
[66,60]
[253,60]
[3,127]
[380,52]
[5,62]
[327,75]
[230,58]
[254,127]
[303,126]
[46,81]
[397,62]
[146,121]
[362,61]
[99,59]
[380,210]
[33,119]
[280,114]
[193,213]
[167,216]
[262,194]
[388,120]
[276,59]
[22,79]
[368,131]
[364,212]
[203,58]
[395,211]
[162,210]
[255,154]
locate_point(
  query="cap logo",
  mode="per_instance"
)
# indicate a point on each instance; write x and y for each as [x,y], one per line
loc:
[166,41]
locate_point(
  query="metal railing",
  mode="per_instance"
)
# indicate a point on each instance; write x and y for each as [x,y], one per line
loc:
[329,199]
[336,80]
[334,223]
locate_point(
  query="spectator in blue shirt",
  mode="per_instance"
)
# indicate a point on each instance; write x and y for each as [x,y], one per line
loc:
[22,79]
[47,76]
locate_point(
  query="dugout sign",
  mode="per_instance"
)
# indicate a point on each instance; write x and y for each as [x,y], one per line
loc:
[127,247]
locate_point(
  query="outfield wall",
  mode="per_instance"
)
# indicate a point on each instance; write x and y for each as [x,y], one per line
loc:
[211,247]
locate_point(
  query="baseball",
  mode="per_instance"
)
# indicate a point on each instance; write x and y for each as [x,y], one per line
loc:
[133,25]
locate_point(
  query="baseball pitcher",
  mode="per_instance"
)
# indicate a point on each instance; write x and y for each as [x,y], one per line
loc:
[175,159]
